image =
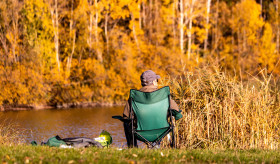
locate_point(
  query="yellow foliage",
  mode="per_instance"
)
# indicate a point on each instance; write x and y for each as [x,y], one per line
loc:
[267,53]
[103,46]
[246,20]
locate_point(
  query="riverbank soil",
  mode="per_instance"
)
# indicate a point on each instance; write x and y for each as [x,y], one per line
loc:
[21,107]
[43,154]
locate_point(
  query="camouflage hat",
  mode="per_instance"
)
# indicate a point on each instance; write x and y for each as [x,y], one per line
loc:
[148,77]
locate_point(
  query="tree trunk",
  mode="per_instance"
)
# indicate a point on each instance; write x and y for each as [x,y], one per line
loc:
[97,48]
[14,29]
[106,32]
[96,21]
[216,27]
[140,16]
[14,47]
[71,16]
[57,37]
[244,47]
[190,30]
[207,28]
[190,38]
[4,44]
[238,42]
[157,22]
[134,34]
[69,62]
[89,41]
[261,3]
[277,26]
[174,23]
[56,33]
[182,26]
[150,20]
[144,14]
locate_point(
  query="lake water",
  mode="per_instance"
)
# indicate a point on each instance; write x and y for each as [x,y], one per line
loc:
[39,125]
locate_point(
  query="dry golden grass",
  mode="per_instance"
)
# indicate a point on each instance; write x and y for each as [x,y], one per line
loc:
[223,112]
[9,134]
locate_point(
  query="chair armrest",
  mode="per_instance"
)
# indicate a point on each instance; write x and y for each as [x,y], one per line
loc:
[121,118]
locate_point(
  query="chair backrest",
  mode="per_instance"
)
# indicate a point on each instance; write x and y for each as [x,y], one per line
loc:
[150,108]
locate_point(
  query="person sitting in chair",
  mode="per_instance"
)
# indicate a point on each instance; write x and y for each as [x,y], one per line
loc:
[149,82]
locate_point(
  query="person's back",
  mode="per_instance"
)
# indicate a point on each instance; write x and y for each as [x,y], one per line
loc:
[149,84]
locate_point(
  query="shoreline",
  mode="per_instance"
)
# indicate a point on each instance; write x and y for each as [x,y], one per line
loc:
[23,107]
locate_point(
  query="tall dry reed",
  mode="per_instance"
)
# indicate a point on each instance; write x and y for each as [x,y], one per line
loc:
[223,112]
[10,134]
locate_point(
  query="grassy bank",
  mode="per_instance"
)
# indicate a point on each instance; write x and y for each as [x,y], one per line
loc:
[29,154]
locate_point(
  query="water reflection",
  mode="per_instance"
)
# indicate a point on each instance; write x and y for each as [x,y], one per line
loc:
[43,124]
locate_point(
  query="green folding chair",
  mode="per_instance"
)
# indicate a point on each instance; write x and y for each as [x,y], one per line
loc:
[152,111]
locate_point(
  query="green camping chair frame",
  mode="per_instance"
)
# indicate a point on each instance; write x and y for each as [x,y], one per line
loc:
[165,130]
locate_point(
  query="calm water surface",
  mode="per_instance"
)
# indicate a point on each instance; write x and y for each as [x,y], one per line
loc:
[43,124]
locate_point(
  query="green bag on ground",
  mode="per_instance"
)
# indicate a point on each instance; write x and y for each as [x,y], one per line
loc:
[104,140]
[55,142]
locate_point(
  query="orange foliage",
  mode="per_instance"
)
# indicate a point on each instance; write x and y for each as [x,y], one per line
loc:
[104,46]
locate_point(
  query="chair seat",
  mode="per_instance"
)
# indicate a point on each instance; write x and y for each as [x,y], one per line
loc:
[152,135]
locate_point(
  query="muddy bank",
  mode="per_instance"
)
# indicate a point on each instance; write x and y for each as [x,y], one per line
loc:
[59,106]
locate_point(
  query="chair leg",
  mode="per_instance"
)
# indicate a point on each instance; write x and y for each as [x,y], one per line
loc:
[173,133]
[133,135]
[131,141]
[173,142]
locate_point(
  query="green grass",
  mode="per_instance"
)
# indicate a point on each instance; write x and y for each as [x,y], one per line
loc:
[43,154]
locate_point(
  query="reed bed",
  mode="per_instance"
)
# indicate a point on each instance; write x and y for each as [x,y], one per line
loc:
[10,134]
[221,111]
